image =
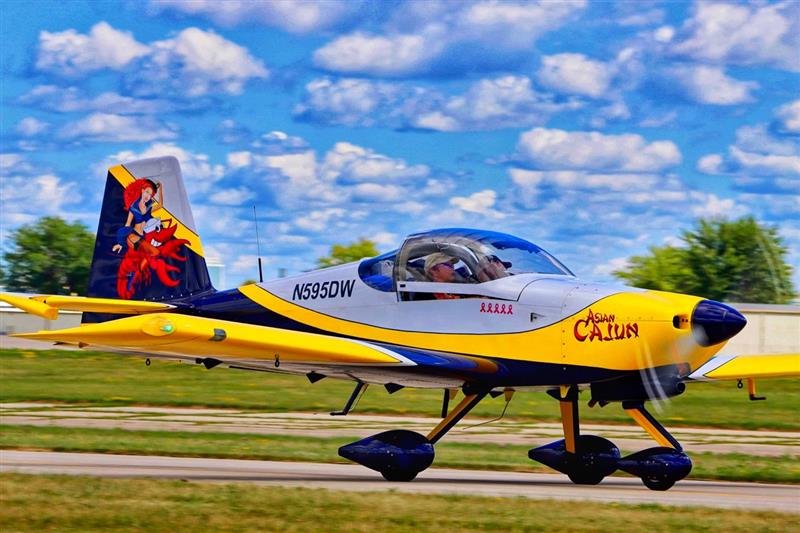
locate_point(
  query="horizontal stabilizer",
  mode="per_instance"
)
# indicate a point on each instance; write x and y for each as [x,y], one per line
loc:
[48,306]
[748,366]
[175,334]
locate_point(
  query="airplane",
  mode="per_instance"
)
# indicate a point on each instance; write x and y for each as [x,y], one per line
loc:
[482,312]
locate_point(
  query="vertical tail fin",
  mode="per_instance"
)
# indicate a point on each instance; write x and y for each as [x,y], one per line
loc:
[147,246]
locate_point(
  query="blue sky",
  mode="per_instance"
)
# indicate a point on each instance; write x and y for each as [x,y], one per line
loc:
[595,130]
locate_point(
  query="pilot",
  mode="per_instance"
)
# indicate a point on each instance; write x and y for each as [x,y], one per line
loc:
[439,268]
[493,268]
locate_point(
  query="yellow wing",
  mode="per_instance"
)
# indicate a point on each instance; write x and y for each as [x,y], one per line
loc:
[748,367]
[48,306]
[191,337]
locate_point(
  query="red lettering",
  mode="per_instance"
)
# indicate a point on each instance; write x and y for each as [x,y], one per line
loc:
[596,333]
[575,329]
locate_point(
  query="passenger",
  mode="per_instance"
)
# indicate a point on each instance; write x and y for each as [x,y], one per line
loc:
[439,269]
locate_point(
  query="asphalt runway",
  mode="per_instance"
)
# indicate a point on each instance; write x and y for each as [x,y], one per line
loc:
[727,495]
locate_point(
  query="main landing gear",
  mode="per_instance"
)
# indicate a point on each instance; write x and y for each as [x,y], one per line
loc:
[399,455]
[587,459]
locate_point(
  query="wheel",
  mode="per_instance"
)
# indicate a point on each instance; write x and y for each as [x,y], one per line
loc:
[394,475]
[658,484]
[585,477]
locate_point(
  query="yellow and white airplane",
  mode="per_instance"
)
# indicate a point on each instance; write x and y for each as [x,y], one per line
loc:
[479,311]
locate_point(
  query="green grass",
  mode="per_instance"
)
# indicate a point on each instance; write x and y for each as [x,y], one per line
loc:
[67,503]
[733,467]
[105,379]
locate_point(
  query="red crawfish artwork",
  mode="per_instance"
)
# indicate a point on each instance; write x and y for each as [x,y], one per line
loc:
[149,243]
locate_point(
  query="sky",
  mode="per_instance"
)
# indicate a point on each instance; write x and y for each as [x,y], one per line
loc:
[594,129]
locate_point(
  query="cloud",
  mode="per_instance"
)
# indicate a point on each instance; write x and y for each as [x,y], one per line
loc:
[377,55]
[481,202]
[232,196]
[710,85]
[505,102]
[347,101]
[108,127]
[487,104]
[575,74]
[69,53]
[351,163]
[74,100]
[433,37]
[558,149]
[788,117]
[295,16]
[710,164]
[735,34]
[192,63]
[31,127]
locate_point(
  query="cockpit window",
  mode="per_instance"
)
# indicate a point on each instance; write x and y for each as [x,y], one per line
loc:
[377,272]
[471,256]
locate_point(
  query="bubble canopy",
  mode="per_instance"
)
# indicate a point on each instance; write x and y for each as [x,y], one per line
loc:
[475,256]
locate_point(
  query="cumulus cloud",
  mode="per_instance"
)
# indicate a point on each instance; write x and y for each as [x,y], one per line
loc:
[481,202]
[759,161]
[710,85]
[192,63]
[558,149]
[575,74]
[108,127]
[296,16]
[736,34]
[487,104]
[70,53]
[347,101]
[377,55]
[231,196]
[432,37]
[788,117]
[73,99]
[31,127]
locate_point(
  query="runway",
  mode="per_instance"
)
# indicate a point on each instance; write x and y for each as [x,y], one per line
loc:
[720,494]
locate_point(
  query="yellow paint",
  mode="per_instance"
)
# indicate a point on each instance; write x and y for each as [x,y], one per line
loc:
[102,305]
[449,418]
[191,336]
[568,423]
[751,387]
[658,342]
[30,306]
[640,419]
[125,178]
[758,366]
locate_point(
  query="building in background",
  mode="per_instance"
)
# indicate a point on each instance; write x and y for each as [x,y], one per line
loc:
[216,270]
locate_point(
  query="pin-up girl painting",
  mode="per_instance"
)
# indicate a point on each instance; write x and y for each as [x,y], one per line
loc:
[147,242]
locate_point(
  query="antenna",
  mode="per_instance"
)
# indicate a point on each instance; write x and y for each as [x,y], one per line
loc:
[258,247]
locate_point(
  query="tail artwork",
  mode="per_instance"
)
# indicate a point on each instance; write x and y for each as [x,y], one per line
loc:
[147,246]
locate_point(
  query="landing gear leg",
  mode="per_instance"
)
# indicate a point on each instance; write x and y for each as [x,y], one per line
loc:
[399,455]
[659,467]
[585,459]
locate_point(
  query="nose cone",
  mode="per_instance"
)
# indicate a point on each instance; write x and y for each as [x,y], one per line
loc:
[713,322]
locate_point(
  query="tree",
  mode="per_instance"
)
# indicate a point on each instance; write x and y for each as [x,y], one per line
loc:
[50,256]
[341,254]
[735,261]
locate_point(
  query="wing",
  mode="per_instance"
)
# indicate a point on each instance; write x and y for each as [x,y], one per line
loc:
[748,367]
[213,342]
